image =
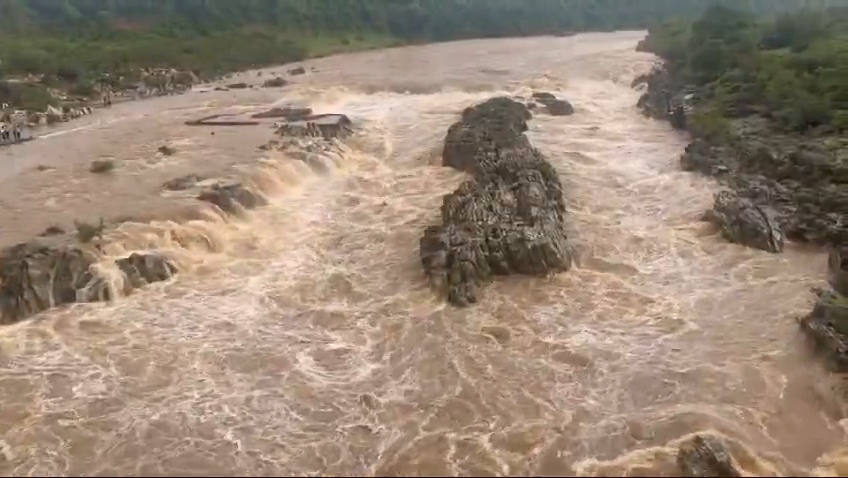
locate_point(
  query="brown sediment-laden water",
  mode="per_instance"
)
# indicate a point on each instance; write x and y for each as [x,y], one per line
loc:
[303,337]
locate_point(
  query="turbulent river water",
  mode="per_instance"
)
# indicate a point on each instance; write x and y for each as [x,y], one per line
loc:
[304,338]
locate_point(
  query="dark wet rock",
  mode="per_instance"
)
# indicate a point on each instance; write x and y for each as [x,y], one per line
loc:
[297,71]
[559,108]
[542,96]
[167,150]
[827,327]
[230,198]
[99,166]
[508,219]
[744,222]
[802,181]
[182,183]
[142,269]
[553,105]
[52,231]
[837,269]
[36,276]
[237,86]
[87,232]
[665,98]
[221,88]
[276,82]
[496,124]
[706,456]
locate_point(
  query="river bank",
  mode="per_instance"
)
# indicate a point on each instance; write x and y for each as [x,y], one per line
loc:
[778,185]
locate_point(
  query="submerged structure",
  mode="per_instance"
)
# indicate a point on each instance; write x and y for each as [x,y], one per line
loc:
[324,125]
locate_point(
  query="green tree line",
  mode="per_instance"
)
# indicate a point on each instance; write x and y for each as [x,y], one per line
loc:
[791,68]
[70,43]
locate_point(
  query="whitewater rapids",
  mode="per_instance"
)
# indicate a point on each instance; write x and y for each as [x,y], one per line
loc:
[304,339]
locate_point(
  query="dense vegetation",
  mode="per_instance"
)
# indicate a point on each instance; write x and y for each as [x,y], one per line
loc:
[69,44]
[791,68]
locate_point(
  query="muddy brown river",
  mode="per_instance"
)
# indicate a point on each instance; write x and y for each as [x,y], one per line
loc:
[304,338]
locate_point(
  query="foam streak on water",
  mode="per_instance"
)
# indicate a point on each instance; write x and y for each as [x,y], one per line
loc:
[303,337]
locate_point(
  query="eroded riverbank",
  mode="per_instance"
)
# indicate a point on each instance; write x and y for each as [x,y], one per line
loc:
[308,340]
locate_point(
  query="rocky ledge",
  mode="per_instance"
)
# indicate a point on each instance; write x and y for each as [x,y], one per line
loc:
[799,180]
[827,324]
[779,186]
[42,274]
[507,219]
[59,267]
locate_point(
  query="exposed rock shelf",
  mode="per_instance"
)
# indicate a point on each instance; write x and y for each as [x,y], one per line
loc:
[507,219]
[801,180]
[36,276]
[60,268]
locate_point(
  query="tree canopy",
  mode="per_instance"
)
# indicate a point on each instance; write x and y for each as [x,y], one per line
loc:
[791,68]
[70,43]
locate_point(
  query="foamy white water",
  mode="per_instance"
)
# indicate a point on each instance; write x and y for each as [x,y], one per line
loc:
[303,338]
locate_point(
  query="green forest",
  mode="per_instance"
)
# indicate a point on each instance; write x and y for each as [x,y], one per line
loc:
[69,44]
[791,68]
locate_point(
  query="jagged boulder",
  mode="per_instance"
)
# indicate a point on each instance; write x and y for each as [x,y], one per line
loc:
[559,108]
[827,327]
[497,124]
[166,150]
[553,105]
[744,222]
[705,456]
[142,269]
[231,197]
[508,219]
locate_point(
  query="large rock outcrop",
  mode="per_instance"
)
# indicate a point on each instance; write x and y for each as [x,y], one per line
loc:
[507,219]
[827,324]
[743,222]
[827,327]
[802,180]
[664,97]
[35,276]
